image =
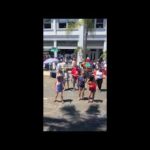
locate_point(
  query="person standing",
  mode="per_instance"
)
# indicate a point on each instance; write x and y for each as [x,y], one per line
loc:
[99,78]
[88,67]
[92,88]
[75,73]
[66,78]
[59,86]
[81,85]
[74,62]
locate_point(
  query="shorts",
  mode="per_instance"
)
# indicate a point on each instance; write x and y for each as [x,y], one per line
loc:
[92,90]
[88,74]
[75,78]
[59,87]
[81,86]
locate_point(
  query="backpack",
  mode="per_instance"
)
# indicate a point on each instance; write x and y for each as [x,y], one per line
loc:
[88,65]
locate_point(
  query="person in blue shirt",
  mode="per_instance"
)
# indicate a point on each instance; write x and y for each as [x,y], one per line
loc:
[81,85]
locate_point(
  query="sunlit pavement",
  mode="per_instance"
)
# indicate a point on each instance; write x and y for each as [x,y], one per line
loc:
[73,115]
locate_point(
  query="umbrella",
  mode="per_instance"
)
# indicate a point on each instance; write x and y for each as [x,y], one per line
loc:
[50,60]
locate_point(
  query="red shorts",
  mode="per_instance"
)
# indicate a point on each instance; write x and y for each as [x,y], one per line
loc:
[92,89]
[75,77]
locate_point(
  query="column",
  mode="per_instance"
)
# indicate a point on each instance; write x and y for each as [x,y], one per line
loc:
[80,44]
[105,41]
[54,26]
[105,24]
[55,45]
[105,46]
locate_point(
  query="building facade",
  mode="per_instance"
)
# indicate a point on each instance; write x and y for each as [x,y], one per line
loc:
[55,35]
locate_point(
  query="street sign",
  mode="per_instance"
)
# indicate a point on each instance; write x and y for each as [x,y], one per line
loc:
[54,49]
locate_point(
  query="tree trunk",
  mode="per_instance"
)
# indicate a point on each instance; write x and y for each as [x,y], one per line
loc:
[85,32]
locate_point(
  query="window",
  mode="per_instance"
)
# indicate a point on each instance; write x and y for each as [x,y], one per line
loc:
[47,23]
[48,43]
[95,43]
[62,23]
[99,23]
[67,43]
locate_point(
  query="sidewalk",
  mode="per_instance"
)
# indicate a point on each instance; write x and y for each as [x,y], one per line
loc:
[46,73]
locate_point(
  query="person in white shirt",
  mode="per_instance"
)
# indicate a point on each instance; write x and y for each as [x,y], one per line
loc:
[53,65]
[58,67]
[74,62]
[66,79]
[99,78]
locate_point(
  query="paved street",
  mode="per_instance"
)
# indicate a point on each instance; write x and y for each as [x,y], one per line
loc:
[73,115]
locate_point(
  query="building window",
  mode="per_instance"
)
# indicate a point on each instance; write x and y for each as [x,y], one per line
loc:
[67,43]
[48,43]
[62,23]
[47,23]
[99,23]
[95,43]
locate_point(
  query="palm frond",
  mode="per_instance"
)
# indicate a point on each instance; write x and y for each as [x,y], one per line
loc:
[104,55]
[90,24]
[73,25]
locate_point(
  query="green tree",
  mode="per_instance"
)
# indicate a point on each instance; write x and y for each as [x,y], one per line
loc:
[104,55]
[77,50]
[88,26]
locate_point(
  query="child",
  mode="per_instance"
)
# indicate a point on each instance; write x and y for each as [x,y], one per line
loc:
[66,78]
[59,85]
[92,88]
[81,85]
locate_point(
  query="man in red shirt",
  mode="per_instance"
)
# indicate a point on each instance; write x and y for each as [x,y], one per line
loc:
[75,73]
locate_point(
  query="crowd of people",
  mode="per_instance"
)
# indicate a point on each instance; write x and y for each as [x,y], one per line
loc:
[88,72]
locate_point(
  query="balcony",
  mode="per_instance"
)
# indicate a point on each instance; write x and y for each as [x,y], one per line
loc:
[61,37]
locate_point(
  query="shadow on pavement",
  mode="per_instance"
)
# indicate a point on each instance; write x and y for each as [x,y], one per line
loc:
[98,100]
[93,109]
[85,98]
[59,101]
[68,100]
[48,121]
[103,90]
[70,110]
[91,124]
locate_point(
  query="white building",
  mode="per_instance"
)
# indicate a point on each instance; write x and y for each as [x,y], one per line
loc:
[55,35]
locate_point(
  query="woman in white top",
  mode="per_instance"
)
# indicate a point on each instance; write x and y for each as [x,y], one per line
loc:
[99,78]
[66,79]
[74,62]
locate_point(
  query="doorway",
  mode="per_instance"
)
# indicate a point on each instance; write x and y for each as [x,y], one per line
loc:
[93,56]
